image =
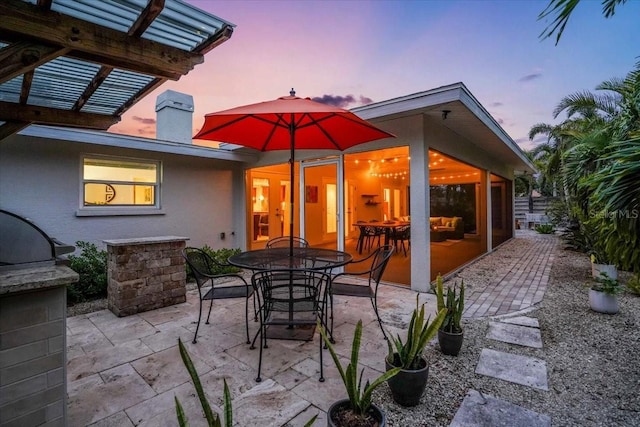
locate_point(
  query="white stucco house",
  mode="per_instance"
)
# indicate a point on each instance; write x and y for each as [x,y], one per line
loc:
[93,185]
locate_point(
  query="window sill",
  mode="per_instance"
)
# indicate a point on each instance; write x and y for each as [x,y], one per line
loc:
[119,211]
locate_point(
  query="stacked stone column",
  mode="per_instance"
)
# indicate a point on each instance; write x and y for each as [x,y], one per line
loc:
[145,274]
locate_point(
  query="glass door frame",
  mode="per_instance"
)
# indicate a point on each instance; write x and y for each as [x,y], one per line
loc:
[338,162]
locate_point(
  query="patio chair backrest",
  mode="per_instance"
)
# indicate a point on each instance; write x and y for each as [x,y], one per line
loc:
[284,241]
[291,291]
[379,263]
[201,264]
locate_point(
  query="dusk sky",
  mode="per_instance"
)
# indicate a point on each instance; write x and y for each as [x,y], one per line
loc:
[363,51]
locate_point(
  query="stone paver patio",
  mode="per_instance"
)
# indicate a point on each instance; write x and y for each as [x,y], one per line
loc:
[126,371]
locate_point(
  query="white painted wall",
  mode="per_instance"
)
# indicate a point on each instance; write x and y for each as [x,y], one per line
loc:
[41,180]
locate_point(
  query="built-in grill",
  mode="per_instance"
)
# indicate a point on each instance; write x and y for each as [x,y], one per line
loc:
[25,245]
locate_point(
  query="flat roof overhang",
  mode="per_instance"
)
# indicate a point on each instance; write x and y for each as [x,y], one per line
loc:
[466,117]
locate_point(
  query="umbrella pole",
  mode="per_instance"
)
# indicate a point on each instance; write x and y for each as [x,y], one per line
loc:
[292,132]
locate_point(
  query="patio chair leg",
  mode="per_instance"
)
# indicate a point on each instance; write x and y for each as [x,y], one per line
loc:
[374,303]
[246,317]
[331,328]
[210,307]
[195,336]
[321,364]
[258,378]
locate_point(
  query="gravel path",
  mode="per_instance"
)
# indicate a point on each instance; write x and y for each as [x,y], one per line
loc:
[592,359]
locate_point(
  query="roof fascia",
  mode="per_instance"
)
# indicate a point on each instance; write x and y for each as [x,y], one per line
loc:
[136,143]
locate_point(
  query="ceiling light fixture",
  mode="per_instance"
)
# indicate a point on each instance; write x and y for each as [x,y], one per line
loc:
[445,113]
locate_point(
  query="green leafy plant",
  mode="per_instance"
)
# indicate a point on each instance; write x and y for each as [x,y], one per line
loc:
[606,284]
[544,228]
[453,303]
[91,266]
[633,285]
[407,355]
[359,398]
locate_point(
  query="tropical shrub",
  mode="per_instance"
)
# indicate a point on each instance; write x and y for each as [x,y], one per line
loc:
[544,228]
[91,266]
[220,255]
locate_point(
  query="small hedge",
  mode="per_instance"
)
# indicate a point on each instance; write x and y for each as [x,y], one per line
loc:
[544,228]
[91,265]
[220,255]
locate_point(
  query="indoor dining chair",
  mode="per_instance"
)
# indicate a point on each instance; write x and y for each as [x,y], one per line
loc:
[206,269]
[371,269]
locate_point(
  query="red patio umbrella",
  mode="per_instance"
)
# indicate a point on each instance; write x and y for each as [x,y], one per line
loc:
[287,123]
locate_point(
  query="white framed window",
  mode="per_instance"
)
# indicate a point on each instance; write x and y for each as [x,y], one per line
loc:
[119,185]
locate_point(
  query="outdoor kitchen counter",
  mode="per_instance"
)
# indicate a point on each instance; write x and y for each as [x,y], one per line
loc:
[36,278]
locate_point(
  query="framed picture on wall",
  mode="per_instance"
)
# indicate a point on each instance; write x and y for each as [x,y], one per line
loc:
[311,194]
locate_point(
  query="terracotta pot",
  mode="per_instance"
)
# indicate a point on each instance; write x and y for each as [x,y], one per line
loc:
[602,302]
[450,342]
[407,386]
[375,412]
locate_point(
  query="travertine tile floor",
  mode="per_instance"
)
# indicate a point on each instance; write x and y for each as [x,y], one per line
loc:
[126,371]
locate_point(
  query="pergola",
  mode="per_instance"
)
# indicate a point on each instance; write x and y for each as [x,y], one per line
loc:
[83,63]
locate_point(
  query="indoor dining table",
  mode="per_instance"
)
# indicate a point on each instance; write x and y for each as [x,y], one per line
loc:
[387,226]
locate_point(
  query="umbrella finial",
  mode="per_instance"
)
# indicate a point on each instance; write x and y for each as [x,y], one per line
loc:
[292,92]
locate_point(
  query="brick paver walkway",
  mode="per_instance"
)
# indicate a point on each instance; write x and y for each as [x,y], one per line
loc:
[521,284]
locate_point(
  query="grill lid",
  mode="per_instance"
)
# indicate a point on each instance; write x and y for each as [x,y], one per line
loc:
[23,244]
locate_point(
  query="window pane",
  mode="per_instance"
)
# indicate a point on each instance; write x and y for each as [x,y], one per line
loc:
[118,194]
[119,170]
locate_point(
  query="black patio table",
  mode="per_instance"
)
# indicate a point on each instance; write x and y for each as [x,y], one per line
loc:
[301,258]
[283,258]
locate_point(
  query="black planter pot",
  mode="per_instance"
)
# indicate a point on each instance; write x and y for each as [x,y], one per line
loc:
[375,412]
[407,386]
[450,342]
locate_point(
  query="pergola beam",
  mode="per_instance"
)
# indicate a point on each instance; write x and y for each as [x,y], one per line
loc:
[27,79]
[21,57]
[95,43]
[93,85]
[11,112]
[9,128]
[146,18]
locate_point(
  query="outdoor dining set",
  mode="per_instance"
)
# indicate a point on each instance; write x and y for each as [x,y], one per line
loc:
[292,286]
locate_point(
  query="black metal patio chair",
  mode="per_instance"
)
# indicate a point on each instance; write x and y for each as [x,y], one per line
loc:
[400,235]
[289,299]
[285,241]
[373,268]
[205,269]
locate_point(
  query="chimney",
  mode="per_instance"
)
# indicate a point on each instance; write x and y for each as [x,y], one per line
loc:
[174,117]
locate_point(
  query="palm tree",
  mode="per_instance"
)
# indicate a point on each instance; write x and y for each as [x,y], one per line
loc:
[563,10]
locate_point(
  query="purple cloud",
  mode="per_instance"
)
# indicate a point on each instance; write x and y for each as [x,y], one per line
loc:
[530,77]
[146,121]
[343,101]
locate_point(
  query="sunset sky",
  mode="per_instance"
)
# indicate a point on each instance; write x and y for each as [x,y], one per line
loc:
[363,51]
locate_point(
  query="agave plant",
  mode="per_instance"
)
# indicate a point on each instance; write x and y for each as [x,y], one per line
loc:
[419,333]
[453,305]
[359,397]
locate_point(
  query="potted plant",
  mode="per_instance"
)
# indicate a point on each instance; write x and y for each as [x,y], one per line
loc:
[599,265]
[450,334]
[357,410]
[409,384]
[602,295]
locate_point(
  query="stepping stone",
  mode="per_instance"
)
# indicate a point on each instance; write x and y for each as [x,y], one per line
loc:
[517,369]
[532,322]
[515,334]
[484,410]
